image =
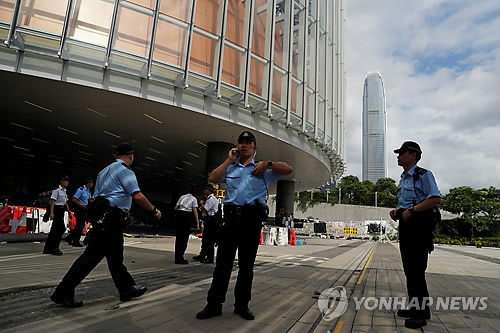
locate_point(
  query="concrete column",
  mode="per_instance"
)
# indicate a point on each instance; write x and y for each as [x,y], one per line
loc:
[285,197]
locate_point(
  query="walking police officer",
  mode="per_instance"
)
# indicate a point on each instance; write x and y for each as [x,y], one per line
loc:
[117,184]
[58,205]
[210,224]
[80,200]
[418,196]
[244,212]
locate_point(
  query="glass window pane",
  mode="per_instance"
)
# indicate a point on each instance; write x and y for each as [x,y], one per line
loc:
[259,28]
[44,15]
[310,107]
[133,31]
[203,55]
[321,116]
[279,87]
[86,26]
[207,15]
[231,67]
[150,4]
[180,9]
[257,76]
[311,55]
[298,43]
[6,10]
[322,68]
[296,97]
[170,44]
[281,32]
[235,25]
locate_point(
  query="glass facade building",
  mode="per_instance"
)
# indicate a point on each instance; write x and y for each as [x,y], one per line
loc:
[374,128]
[277,60]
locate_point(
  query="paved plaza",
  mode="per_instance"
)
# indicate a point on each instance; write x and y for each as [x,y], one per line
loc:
[288,284]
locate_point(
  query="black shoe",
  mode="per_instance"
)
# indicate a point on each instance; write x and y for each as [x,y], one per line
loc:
[207,261]
[198,258]
[412,313]
[415,323]
[69,240]
[182,262]
[76,244]
[209,312]
[244,313]
[55,252]
[66,302]
[132,292]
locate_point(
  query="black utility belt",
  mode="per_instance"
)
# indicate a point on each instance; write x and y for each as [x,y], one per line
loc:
[240,210]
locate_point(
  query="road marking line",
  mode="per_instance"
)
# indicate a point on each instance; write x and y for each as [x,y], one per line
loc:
[338,327]
[366,265]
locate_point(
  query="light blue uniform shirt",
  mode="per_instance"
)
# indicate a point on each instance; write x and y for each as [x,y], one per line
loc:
[245,189]
[82,195]
[117,183]
[425,187]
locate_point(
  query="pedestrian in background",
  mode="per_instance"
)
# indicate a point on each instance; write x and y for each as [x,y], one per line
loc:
[117,184]
[186,215]
[80,201]
[418,196]
[58,205]
[209,207]
[244,212]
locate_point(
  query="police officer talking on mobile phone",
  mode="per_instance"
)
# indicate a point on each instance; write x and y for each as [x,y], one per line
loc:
[418,196]
[244,212]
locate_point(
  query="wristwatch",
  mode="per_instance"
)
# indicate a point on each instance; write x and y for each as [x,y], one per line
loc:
[411,209]
[154,211]
[269,165]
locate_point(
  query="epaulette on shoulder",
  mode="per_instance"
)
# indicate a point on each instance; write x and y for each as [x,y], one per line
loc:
[418,172]
[125,165]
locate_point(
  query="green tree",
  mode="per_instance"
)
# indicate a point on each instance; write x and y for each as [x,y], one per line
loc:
[479,209]
[386,189]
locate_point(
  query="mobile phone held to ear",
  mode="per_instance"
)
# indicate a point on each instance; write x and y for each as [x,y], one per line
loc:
[237,153]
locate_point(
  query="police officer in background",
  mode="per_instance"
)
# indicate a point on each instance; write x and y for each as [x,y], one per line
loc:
[116,183]
[80,200]
[186,213]
[418,196]
[58,205]
[210,207]
[244,212]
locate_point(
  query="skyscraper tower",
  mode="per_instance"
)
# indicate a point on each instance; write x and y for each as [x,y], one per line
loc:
[374,128]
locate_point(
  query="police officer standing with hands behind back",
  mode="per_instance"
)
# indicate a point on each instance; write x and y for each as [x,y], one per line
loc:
[244,212]
[117,184]
[418,196]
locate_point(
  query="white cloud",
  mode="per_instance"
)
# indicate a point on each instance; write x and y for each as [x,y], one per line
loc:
[452,108]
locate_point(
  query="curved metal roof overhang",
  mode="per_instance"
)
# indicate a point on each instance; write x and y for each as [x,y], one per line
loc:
[70,116]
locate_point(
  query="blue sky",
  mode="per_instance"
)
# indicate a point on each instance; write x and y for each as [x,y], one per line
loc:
[440,62]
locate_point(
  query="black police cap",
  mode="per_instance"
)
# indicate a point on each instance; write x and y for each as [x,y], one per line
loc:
[124,149]
[246,135]
[409,146]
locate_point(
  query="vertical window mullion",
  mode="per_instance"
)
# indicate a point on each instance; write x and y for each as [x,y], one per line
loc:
[12,28]
[222,39]
[270,62]
[111,33]
[156,16]
[65,27]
